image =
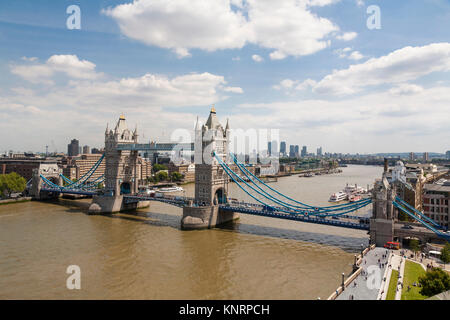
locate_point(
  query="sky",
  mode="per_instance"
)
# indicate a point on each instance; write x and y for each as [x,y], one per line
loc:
[329,73]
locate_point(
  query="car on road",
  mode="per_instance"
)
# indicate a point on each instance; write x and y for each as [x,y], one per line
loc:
[407,226]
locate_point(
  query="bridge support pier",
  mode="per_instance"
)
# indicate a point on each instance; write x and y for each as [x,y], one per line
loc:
[112,204]
[205,217]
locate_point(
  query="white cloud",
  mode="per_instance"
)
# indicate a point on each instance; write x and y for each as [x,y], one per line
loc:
[360,3]
[82,106]
[376,122]
[288,85]
[277,55]
[233,89]
[67,64]
[399,66]
[257,58]
[355,55]
[287,26]
[84,88]
[321,3]
[307,84]
[30,59]
[406,89]
[183,24]
[347,36]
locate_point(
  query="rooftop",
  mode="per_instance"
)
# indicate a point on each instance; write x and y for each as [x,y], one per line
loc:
[445,187]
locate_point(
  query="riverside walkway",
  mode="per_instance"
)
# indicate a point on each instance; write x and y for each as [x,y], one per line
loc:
[362,288]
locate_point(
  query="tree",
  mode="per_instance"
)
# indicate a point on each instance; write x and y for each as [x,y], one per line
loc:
[445,253]
[158,167]
[12,182]
[434,282]
[162,175]
[176,176]
[414,245]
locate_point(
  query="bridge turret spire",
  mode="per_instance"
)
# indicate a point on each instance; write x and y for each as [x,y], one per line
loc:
[135,133]
[197,126]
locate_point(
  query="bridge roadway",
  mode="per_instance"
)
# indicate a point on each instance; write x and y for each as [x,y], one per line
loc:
[344,221]
[70,191]
[417,231]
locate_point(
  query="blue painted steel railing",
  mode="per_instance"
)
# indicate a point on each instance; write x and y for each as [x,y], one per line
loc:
[86,176]
[253,210]
[288,205]
[421,215]
[314,212]
[426,225]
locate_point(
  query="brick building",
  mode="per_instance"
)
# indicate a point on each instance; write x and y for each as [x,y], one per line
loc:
[23,167]
[436,202]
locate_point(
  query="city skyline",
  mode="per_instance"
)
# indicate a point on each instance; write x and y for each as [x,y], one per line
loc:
[341,86]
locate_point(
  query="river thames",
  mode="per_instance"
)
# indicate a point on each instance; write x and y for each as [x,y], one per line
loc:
[145,255]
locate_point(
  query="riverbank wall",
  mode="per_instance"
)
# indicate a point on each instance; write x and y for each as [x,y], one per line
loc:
[16,200]
[356,271]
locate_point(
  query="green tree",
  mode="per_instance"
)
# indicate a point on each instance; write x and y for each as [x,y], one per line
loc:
[12,182]
[158,167]
[162,175]
[434,282]
[445,253]
[414,245]
[176,176]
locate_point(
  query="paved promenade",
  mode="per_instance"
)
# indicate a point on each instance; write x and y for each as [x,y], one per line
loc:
[398,263]
[362,287]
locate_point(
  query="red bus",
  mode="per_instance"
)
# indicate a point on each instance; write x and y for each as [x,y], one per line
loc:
[392,245]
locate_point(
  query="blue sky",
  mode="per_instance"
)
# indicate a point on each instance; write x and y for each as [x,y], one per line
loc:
[323,78]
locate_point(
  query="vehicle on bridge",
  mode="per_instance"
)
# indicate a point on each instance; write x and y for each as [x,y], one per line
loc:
[392,245]
[171,189]
[146,190]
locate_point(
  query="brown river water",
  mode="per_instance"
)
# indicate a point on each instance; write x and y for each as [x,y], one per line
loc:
[145,255]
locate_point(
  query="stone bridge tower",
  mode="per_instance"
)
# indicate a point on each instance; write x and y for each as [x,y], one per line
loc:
[211,181]
[121,176]
[121,165]
[50,171]
[383,218]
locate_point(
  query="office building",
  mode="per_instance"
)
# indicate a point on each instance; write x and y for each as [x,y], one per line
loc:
[304,151]
[73,148]
[283,148]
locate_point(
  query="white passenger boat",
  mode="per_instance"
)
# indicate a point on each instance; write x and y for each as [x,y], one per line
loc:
[147,191]
[171,189]
[338,196]
[354,189]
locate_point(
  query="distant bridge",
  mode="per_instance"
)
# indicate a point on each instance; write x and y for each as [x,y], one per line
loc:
[155,147]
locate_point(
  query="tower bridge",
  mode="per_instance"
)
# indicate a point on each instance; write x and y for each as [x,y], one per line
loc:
[211,205]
